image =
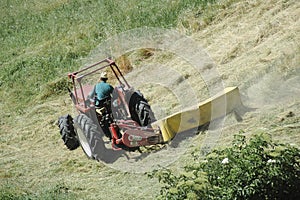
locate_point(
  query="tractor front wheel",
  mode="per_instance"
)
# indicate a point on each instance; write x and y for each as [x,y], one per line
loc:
[68,135]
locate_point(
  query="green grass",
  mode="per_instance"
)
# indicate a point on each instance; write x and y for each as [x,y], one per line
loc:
[60,191]
[42,40]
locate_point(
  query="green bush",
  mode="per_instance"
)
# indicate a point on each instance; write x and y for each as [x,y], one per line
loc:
[257,169]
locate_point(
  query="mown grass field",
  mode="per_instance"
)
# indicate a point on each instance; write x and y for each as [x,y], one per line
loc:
[254,44]
[40,42]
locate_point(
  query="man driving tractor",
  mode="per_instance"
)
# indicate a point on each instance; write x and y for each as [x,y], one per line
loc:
[102,91]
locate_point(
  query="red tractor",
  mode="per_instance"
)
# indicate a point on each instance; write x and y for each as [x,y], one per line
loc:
[124,118]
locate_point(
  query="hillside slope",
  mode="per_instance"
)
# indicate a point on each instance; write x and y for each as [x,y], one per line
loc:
[255,45]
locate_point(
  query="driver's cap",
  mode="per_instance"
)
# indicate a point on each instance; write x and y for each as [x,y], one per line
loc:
[103,75]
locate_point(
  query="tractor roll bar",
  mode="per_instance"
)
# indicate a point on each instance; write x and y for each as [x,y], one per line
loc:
[110,64]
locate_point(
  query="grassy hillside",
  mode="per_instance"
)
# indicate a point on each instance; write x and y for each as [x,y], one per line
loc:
[255,45]
[42,40]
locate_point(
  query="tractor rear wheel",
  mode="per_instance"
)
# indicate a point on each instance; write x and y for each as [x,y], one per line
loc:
[140,110]
[68,135]
[89,136]
[144,113]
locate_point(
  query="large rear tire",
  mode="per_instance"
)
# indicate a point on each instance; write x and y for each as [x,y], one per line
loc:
[89,136]
[68,135]
[140,110]
[144,113]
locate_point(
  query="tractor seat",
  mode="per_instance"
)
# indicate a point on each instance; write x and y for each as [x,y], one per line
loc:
[103,102]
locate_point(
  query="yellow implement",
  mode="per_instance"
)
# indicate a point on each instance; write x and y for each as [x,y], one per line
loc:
[215,107]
